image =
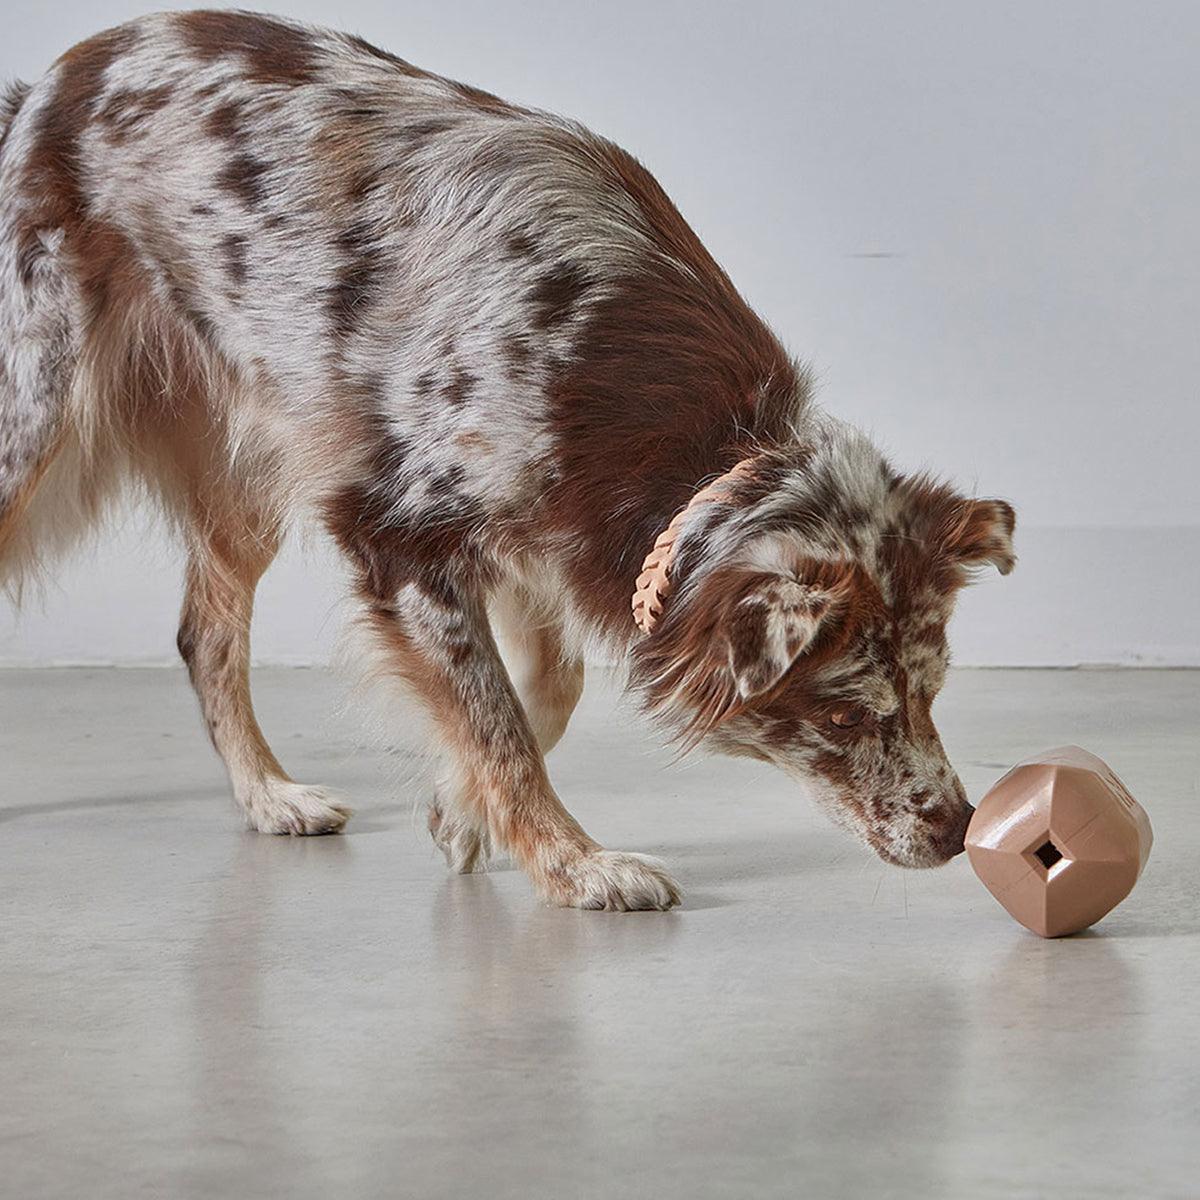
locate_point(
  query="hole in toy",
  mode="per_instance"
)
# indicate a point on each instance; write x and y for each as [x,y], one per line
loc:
[1048,854]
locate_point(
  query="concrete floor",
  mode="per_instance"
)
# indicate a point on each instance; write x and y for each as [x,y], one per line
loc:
[188,1010]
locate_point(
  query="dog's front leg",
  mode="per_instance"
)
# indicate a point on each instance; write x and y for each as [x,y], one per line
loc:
[435,634]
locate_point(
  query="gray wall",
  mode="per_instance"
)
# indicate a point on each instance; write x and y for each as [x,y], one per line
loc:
[977,220]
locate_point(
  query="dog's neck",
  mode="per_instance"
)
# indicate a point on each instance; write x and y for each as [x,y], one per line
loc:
[823,471]
[654,583]
[605,513]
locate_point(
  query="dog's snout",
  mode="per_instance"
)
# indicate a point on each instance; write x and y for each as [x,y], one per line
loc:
[951,840]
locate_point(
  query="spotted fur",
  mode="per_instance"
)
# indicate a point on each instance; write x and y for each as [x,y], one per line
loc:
[269,272]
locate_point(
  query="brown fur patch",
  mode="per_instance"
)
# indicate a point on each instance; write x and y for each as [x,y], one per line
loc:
[359,279]
[54,168]
[127,109]
[474,442]
[388,553]
[557,295]
[226,120]
[233,250]
[244,176]
[274,52]
[458,391]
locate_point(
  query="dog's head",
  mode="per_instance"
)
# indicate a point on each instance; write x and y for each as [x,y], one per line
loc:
[817,641]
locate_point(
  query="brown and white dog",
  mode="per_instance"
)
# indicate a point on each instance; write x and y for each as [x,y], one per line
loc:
[267,271]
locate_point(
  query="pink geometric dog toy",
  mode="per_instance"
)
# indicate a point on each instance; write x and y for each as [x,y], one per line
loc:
[1059,841]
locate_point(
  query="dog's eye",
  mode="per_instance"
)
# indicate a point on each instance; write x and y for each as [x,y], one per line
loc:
[847,718]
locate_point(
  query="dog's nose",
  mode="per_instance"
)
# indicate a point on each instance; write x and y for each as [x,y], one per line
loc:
[951,840]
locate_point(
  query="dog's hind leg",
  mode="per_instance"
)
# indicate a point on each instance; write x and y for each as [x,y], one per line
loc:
[224,567]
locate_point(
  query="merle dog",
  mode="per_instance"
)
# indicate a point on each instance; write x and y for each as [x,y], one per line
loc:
[267,271]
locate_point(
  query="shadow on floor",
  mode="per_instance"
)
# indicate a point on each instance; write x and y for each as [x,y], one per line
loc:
[12,812]
[765,856]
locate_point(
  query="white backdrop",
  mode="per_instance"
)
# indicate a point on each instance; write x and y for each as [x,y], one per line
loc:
[977,220]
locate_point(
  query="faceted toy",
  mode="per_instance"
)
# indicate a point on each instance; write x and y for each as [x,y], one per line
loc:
[1059,841]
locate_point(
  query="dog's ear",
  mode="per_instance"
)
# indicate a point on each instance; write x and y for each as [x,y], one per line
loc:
[770,627]
[958,532]
[982,533]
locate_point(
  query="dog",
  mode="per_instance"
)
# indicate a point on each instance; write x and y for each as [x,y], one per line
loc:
[267,272]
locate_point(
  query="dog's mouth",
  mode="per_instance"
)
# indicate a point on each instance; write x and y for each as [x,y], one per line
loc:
[932,853]
[914,859]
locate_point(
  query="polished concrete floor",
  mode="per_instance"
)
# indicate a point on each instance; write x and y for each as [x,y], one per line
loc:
[188,1010]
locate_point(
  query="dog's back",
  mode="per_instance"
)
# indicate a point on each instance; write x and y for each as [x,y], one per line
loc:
[361,281]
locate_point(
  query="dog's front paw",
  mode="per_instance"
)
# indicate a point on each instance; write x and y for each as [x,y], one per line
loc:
[616,882]
[466,847]
[280,806]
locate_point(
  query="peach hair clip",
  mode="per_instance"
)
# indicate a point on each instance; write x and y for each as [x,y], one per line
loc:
[654,583]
